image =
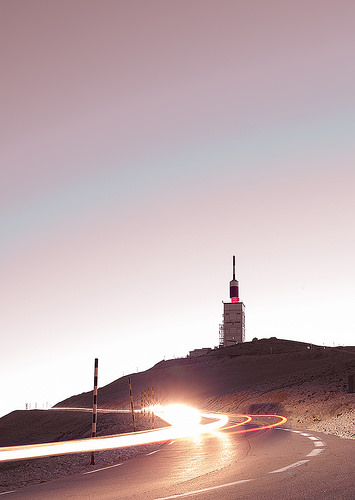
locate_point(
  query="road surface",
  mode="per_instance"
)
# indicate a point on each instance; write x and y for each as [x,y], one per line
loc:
[275,463]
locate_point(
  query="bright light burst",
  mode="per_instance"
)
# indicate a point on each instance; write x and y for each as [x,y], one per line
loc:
[178,415]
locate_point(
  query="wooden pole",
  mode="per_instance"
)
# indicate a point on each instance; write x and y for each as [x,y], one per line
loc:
[148,397]
[153,395]
[131,400]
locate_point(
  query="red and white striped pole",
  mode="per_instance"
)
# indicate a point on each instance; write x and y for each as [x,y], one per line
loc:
[94,407]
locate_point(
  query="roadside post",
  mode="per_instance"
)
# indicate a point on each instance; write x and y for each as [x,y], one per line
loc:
[153,407]
[131,401]
[148,402]
[94,408]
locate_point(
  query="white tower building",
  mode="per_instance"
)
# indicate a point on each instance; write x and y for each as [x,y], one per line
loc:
[232,330]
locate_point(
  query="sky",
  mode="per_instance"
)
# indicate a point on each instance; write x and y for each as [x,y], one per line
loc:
[143,144]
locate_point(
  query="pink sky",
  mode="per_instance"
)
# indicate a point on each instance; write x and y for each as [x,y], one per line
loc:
[145,143]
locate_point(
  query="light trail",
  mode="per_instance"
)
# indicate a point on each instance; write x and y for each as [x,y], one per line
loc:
[184,423]
[247,419]
[89,410]
[282,420]
[185,428]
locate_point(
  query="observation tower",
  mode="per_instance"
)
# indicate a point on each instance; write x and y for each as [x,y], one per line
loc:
[232,330]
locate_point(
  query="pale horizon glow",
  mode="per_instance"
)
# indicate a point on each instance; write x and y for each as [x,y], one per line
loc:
[143,144]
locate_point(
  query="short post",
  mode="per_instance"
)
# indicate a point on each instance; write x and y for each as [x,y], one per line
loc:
[148,397]
[351,384]
[153,395]
[94,408]
[131,401]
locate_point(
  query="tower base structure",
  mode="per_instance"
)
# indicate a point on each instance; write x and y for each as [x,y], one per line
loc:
[232,331]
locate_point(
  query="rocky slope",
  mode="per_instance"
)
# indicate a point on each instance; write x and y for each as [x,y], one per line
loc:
[306,383]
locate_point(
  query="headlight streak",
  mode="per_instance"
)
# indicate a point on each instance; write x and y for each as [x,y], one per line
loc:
[116,441]
[248,418]
[88,410]
[186,425]
[282,421]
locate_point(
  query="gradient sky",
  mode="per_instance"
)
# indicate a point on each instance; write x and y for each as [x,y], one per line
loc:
[145,143]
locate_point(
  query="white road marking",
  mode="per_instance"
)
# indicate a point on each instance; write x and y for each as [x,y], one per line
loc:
[206,489]
[103,468]
[152,452]
[315,452]
[291,466]
[171,442]
[7,492]
[318,443]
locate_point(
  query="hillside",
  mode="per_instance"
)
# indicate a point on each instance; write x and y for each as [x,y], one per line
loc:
[307,383]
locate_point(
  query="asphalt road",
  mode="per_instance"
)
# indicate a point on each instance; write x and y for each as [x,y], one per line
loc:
[271,464]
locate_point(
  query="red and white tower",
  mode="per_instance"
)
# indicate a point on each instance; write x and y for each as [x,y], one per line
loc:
[232,330]
[234,286]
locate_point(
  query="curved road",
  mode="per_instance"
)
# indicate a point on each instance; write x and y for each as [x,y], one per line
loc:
[275,463]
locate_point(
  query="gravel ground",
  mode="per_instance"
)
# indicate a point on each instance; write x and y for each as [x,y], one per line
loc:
[309,408]
[340,425]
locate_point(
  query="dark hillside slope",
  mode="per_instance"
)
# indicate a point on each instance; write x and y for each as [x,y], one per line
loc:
[245,371]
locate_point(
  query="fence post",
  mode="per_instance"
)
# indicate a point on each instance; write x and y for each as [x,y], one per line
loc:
[131,400]
[153,395]
[94,408]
